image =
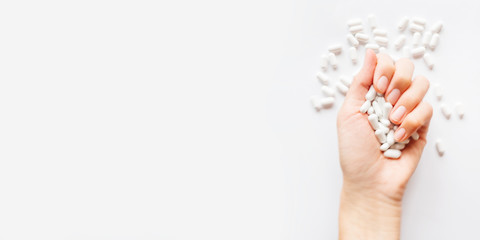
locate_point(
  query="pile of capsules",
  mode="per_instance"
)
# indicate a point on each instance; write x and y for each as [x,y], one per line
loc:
[421,44]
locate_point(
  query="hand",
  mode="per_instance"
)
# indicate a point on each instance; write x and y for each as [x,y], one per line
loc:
[373,184]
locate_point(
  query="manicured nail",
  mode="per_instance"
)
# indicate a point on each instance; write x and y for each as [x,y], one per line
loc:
[382,84]
[399,134]
[397,115]
[393,96]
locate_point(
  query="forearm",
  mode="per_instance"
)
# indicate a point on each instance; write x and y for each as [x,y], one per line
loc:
[368,215]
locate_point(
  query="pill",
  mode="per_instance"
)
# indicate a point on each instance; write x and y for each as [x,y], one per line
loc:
[382,50]
[370,110]
[328,91]
[437,27]
[390,137]
[434,41]
[352,40]
[392,153]
[460,109]
[372,21]
[383,128]
[385,122]
[377,109]
[438,91]
[417,39]
[418,52]
[428,60]
[380,99]
[373,46]
[440,147]
[446,111]
[387,108]
[406,141]
[382,41]
[398,146]
[380,32]
[342,88]
[352,52]
[335,48]
[356,29]
[400,42]
[402,25]
[332,59]
[373,119]
[419,21]
[327,102]
[370,94]
[354,21]
[365,106]
[381,137]
[407,52]
[345,80]
[384,147]
[426,38]
[316,102]
[362,37]
[324,62]
[415,136]
[416,28]
[323,78]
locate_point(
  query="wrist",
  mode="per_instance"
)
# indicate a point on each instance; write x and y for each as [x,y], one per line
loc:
[368,214]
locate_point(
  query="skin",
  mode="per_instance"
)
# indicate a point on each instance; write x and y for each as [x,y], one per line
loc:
[373,186]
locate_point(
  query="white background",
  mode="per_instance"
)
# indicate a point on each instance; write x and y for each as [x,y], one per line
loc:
[191,120]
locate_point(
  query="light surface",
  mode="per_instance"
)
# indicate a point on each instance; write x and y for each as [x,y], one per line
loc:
[191,120]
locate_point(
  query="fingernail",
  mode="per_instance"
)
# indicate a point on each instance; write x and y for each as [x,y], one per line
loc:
[382,84]
[399,134]
[393,96]
[397,115]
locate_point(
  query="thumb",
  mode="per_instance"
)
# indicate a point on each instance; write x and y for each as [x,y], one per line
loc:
[364,79]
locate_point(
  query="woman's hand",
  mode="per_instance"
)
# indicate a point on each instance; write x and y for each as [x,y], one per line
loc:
[373,185]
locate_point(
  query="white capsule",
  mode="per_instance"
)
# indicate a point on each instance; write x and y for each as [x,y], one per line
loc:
[335,48]
[392,153]
[383,128]
[377,109]
[354,21]
[434,41]
[373,119]
[362,37]
[371,94]
[372,21]
[415,136]
[460,109]
[382,41]
[328,91]
[324,62]
[402,25]
[398,146]
[382,50]
[400,42]
[384,147]
[316,102]
[407,52]
[381,137]
[327,102]
[352,40]
[385,122]
[365,106]
[387,108]
[416,28]
[426,38]
[380,32]
[352,52]
[323,78]
[437,27]
[380,99]
[370,111]
[446,111]
[417,39]
[395,128]
[438,91]
[440,147]
[390,138]
[356,29]
[428,60]
[332,59]
[342,88]
[419,21]
[346,80]
[418,52]
[373,46]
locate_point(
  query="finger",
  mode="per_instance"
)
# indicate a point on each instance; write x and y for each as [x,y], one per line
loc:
[409,99]
[383,72]
[420,116]
[400,81]
[363,80]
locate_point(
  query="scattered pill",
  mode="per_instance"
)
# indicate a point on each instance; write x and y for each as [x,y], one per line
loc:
[328,91]
[400,42]
[342,88]
[345,80]
[417,39]
[362,37]
[418,52]
[352,52]
[332,59]
[352,40]
[382,41]
[419,21]
[460,109]
[447,112]
[427,36]
[354,21]
[402,25]
[440,147]
[416,28]
[434,41]
[373,46]
[392,153]
[437,27]
[428,60]
[380,32]
[316,102]
[323,78]
[356,29]
[335,48]
[324,62]
[407,52]
[327,102]
[372,21]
